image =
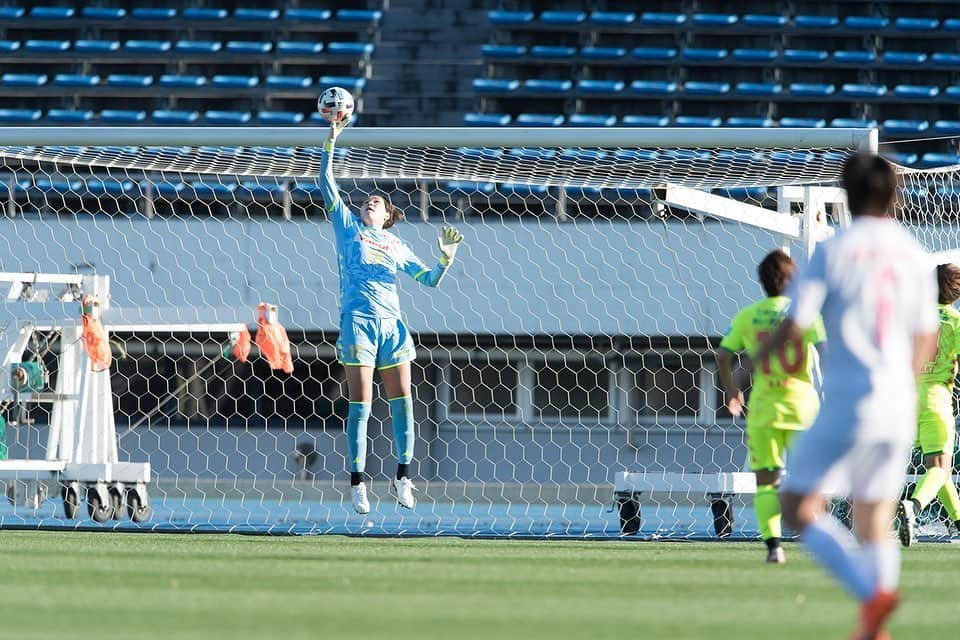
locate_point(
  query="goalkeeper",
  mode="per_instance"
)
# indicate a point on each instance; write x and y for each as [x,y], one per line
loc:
[784,399]
[372,331]
[935,422]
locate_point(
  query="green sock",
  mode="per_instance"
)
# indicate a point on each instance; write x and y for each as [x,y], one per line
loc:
[950,499]
[929,485]
[767,506]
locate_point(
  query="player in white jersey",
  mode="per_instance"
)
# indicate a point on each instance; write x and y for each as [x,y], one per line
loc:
[879,304]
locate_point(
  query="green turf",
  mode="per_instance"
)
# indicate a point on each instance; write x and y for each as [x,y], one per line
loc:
[180,587]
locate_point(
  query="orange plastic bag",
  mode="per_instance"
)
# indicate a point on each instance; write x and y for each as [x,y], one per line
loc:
[241,345]
[272,339]
[94,337]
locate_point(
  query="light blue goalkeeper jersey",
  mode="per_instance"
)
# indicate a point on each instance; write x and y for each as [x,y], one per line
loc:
[368,259]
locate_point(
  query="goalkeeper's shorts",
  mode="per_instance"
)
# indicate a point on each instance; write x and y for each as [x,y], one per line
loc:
[374,342]
[935,424]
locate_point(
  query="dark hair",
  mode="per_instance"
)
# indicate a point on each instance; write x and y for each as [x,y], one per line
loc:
[948,278]
[775,271]
[394,215]
[870,182]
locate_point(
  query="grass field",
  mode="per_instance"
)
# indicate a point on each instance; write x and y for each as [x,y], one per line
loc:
[178,587]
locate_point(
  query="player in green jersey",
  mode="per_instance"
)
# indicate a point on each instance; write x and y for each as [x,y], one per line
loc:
[935,422]
[784,399]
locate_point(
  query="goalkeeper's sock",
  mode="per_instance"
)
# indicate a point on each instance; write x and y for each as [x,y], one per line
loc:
[928,486]
[766,504]
[950,499]
[401,413]
[836,550]
[882,559]
[403,471]
[357,419]
[355,478]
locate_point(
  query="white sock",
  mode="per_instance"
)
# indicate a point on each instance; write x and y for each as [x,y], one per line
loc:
[883,561]
[834,547]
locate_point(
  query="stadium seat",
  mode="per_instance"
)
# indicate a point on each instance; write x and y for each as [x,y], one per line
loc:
[147,46]
[9,46]
[256,15]
[204,13]
[854,57]
[350,83]
[696,53]
[916,92]
[517,189]
[209,189]
[308,15]
[52,13]
[591,120]
[495,85]
[350,48]
[279,118]
[60,185]
[249,46]
[510,17]
[947,127]
[583,155]
[637,155]
[19,115]
[697,121]
[706,88]
[175,116]
[154,13]
[294,48]
[24,79]
[128,80]
[904,57]
[613,18]
[359,15]
[755,55]
[805,56]
[916,24]
[816,22]
[253,190]
[645,121]
[108,186]
[287,82]
[467,187]
[748,122]
[75,80]
[543,85]
[182,82]
[540,119]
[759,88]
[487,119]
[603,53]
[600,87]
[930,160]
[764,21]
[654,19]
[550,52]
[11,13]
[218,116]
[46,46]
[945,59]
[853,123]
[122,116]
[803,123]
[504,51]
[905,127]
[714,19]
[96,46]
[563,17]
[235,82]
[69,115]
[578,192]
[866,23]
[654,53]
[653,87]
[197,46]
[855,90]
[811,89]
[953,91]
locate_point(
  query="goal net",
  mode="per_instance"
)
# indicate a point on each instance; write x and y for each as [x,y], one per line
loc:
[565,379]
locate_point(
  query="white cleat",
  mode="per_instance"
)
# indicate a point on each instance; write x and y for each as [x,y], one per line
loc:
[358,494]
[776,556]
[908,522]
[404,488]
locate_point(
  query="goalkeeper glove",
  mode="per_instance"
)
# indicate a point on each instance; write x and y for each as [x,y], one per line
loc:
[448,242]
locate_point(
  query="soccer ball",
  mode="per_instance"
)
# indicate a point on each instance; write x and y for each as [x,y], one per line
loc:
[336,105]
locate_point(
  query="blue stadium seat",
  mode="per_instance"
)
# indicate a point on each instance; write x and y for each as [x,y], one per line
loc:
[613,18]
[487,119]
[9,46]
[697,121]
[510,17]
[805,56]
[542,51]
[639,155]
[287,82]
[905,159]
[816,22]
[11,13]
[583,155]
[504,51]
[755,55]
[235,82]
[654,53]
[350,48]
[76,80]
[866,23]
[578,192]
[467,187]
[109,186]
[19,115]
[359,15]
[945,59]
[495,85]
[517,189]
[749,122]
[654,19]
[24,79]
[947,127]
[350,83]
[204,13]
[600,87]
[953,91]
[951,24]
[96,46]
[706,88]
[256,15]
[603,53]
[294,48]
[858,90]
[60,185]
[645,121]
[803,123]
[811,89]
[154,13]
[122,116]
[591,120]
[916,24]
[249,46]
[759,88]
[175,116]
[853,123]
[147,46]
[563,17]
[279,118]
[916,92]
[653,87]
[253,190]
[209,189]
[904,57]
[163,188]
[697,53]
[128,80]
[218,116]
[540,119]
[764,21]
[46,46]
[52,13]
[854,57]
[714,19]
[905,127]
[544,85]
[930,160]
[308,15]
[197,46]
[182,82]
[69,115]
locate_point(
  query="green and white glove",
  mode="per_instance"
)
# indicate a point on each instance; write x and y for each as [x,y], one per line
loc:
[335,130]
[449,241]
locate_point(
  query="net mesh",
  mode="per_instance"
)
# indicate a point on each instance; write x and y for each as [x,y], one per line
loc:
[572,339]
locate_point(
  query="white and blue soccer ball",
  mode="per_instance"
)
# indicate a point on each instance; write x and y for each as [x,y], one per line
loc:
[336,105]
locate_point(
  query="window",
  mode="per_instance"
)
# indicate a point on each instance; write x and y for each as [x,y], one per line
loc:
[571,389]
[664,386]
[481,387]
